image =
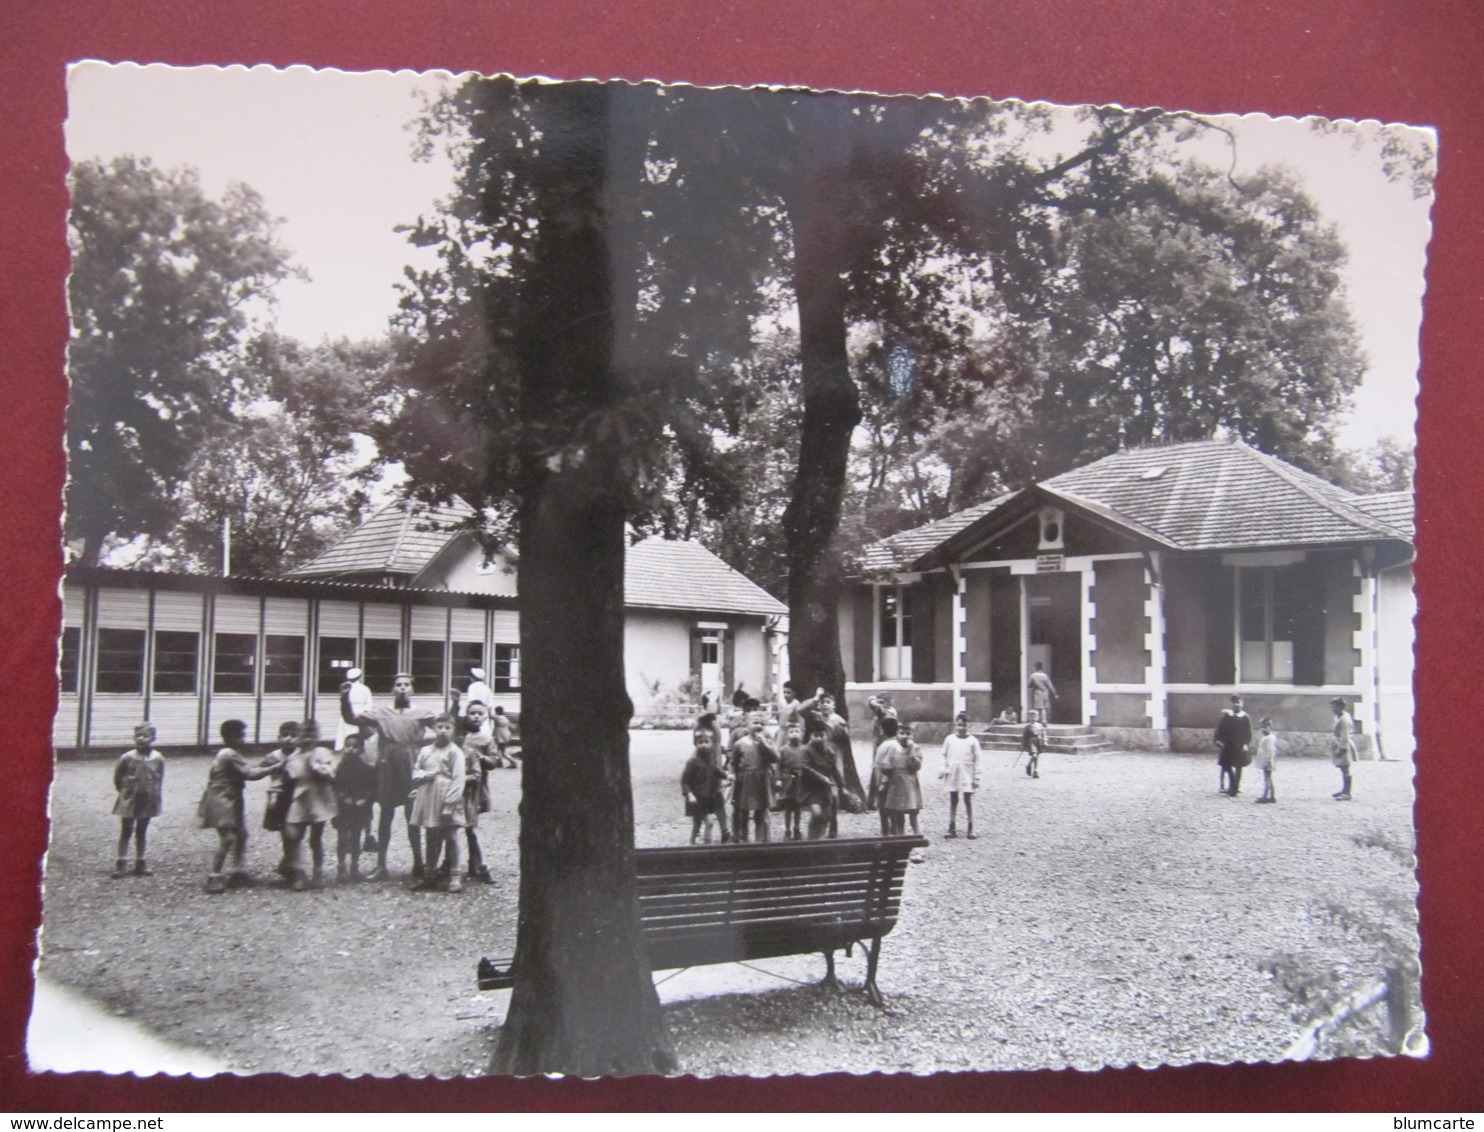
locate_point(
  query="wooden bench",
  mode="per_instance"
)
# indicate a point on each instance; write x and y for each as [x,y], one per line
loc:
[705,904]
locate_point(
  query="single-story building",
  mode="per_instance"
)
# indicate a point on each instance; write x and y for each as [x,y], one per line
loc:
[1150,585]
[404,591]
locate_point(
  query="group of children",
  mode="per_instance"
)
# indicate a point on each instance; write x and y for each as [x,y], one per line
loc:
[1235,750]
[441,785]
[802,766]
[793,768]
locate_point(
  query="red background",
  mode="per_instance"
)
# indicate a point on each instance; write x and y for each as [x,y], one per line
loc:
[1414,61]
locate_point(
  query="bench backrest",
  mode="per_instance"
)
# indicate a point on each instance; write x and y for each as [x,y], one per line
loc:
[719,904]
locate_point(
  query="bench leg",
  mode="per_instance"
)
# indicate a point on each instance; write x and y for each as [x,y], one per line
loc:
[829,979]
[873,992]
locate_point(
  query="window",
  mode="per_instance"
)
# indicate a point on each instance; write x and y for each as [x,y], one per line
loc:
[896,634]
[71,643]
[427,667]
[383,660]
[466,655]
[711,650]
[120,661]
[176,656]
[283,665]
[1268,599]
[337,655]
[507,668]
[235,663]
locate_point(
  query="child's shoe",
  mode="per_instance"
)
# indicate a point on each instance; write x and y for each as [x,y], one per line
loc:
[952,832]
[298,882]
[142,869]
[216,883]
[120,869]
[370,844]
[454,885]
[483,875]
[971,835]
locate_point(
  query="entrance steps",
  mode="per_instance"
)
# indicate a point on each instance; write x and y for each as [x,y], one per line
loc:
[1061,738]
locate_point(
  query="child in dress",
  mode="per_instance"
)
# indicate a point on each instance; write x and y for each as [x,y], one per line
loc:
[752,762]
[961,773]
[438,802]
[309,774]
[355,790]
[791,769]
[703,784]
[908,785]
[898,790]
[222,807]
[1342,751]
[139,779]
[1033,742]
[479,743]
[820,781]
[1267,759]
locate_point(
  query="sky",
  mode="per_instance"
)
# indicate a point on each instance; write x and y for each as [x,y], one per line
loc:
[331,154]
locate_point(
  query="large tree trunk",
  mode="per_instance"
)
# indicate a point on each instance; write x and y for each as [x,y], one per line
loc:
[584,1000]
[831,402]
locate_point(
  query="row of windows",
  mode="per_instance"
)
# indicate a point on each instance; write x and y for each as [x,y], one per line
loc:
[235,667]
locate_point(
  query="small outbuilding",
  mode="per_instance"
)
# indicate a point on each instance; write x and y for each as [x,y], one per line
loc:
[1150,586]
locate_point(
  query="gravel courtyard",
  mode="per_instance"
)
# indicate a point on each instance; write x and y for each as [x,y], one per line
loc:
[1116,911]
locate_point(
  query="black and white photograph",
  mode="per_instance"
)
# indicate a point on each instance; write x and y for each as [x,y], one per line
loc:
[608,578]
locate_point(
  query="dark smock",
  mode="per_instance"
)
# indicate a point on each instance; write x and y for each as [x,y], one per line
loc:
[1234,739]
[821,772]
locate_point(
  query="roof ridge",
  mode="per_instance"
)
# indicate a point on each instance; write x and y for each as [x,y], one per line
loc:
[1337,506]
[391,557]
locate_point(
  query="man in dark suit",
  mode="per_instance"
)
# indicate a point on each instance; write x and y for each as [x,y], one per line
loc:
[1234,744]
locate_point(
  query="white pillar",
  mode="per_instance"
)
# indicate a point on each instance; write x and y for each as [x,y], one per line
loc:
[875,632]
[1368,708]
[960,621]
[1155,676]
[1089,643]
[1025,649]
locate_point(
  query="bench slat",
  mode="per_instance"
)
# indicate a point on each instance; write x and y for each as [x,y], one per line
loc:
[856,874]
[768,876]
[860,882]
[775,854]
[720,903]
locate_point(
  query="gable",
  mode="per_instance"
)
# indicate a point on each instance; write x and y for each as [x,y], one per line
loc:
[1022,539]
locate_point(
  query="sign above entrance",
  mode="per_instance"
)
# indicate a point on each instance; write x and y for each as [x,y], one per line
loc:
[1051,563]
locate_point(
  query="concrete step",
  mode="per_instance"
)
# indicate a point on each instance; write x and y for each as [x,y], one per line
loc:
[1061,738]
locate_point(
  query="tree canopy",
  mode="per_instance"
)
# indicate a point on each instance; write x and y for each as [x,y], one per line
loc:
[164,287]
[290,468]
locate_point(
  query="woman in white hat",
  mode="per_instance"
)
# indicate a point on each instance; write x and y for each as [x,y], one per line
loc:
[361,701]
[478,692]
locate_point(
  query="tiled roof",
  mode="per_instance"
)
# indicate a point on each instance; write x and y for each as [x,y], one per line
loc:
[1204,495]
[398,539]
[658,574]
[1217,494]
[667,574]
[1392,507]
[900,550]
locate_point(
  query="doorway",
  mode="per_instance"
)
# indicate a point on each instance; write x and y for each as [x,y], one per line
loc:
[1053,636]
